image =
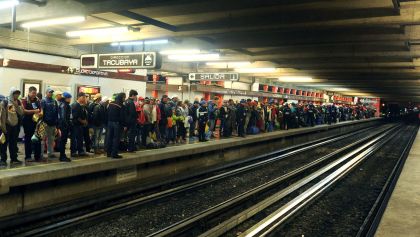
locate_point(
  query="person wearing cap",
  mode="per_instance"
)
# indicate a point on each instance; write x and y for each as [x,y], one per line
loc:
[64,124]
[131,120]
[13,110]
[31,108]
[79,121]
[58,95]
[165,112]
[49,108]
[95,121]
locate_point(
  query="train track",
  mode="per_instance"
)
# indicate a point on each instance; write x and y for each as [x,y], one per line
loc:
[235,169]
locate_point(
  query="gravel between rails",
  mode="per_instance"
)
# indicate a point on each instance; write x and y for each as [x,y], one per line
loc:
[144,220]
[342,210]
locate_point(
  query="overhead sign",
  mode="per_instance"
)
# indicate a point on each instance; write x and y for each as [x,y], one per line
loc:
[127,60]
[213,76]
[89,61]
[142,60]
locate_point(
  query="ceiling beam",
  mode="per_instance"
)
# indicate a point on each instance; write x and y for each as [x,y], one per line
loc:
[147,20]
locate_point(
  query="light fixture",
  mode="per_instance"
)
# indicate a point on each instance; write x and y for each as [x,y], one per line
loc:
[129,43]
[295,79]
[98,32]
[256,70]
[228,64]
[55,21]
[338,89]
[156,42]
[180,51]
[8,4]
[193,57]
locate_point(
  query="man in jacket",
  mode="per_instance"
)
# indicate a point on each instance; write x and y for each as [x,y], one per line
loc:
[79,121]
[96,122]
[31,106]
[49,108]
[131,120]
[64,124]
[116,119]
[202,117]
[13,111]
[241,116]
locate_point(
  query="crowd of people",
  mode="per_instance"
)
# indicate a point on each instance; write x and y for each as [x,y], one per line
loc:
[130,122]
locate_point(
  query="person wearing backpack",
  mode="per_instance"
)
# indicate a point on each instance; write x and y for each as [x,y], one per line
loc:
[95,121]
[12,111]
[31,108]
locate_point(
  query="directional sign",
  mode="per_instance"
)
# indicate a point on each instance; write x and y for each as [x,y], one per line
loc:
[143,60]
[213,76]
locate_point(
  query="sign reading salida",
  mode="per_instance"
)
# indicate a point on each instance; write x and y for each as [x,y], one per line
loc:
[214,76]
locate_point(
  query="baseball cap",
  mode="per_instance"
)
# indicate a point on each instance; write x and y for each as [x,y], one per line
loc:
[49,90]
[67,95]
[58,93]
[97,96]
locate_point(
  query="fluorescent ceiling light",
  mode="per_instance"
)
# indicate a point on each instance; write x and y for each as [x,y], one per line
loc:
[295,79]
[180,51]
[194,57]
[154,42]
[55,21]
[228,64]
[338,89]
[129,43]
[97,32]
[8,4]
[256,70]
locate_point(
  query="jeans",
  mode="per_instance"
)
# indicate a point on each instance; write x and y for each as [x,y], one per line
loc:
[132,133]
[162,130]
[113,138]
[202,132]
[192,128]
[86,137]
[29,128]
[50,136]
[11,142]
[97,137]
[145,133]
[63,142]
[76,144]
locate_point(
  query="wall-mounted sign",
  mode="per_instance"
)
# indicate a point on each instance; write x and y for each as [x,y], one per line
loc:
[127,60]
[89,61]
[213,76]
[143,60]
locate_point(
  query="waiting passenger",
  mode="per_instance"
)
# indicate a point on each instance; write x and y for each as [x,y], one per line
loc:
[64,124]
[12,112]
[31,109]
[116,122]
[131,119]
[49,108]
[79,121]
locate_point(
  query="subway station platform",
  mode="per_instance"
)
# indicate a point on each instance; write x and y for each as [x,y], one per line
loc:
[402,215]
[36,186]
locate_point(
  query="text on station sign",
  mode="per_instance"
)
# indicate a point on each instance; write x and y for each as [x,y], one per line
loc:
[214,76]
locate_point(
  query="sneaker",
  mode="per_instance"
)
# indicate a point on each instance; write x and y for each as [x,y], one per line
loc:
[3,163]
[16,161]
[117,157]
[65,159]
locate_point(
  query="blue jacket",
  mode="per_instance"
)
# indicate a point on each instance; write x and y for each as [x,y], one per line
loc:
[50,109]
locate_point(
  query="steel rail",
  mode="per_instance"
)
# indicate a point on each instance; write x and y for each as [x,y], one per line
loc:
[270,223]
[188,223]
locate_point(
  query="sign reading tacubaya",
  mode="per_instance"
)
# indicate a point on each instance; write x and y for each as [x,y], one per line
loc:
[120,60]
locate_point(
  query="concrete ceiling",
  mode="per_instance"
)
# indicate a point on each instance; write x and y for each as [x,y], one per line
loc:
[369,47]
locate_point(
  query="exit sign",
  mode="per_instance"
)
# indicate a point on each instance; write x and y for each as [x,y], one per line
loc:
[213,76]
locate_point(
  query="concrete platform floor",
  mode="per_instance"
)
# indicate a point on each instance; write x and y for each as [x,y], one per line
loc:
[402,215]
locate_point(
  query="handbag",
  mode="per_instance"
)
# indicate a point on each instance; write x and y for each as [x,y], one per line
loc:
[2,138]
